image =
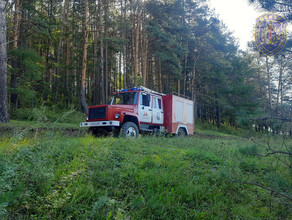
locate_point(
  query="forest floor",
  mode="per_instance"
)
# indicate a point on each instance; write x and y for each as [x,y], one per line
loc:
[52,174]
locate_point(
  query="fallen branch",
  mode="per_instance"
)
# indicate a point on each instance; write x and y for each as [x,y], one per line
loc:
[275,152]
[263,187]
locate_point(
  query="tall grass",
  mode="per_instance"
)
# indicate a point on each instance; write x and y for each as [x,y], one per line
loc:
[57,177]
[49,115]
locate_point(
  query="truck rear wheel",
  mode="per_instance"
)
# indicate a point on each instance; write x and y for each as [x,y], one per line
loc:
[181,132]
[130,129]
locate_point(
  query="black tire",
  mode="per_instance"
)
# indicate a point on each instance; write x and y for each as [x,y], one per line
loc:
[181,133]
[130,130]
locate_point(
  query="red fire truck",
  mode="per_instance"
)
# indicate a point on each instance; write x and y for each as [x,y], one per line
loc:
[132,111]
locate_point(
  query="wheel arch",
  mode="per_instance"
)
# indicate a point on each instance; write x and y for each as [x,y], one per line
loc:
[183,127]
[131,118]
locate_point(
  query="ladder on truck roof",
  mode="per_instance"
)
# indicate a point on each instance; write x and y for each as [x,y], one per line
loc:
[142,88]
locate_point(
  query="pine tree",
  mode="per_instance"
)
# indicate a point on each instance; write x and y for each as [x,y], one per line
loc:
[83,102]
[3,66]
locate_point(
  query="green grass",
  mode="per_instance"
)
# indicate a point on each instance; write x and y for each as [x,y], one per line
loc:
[51,176]
[225,130]
[37,124]
[44,117]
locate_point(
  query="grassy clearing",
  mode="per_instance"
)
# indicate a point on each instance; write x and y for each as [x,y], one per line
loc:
[224,131]
[37,124]
[44,118]
[51,176]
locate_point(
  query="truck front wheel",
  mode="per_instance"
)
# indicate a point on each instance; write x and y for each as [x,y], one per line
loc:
[130,129]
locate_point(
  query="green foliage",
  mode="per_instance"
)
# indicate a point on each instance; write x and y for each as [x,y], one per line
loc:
[249,165]
[57,177]
[249,150]
[29,75]
[45,114]
[278,182]
[223,130]
[31,65]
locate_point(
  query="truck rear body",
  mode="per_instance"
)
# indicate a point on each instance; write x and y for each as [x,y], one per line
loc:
[178,113]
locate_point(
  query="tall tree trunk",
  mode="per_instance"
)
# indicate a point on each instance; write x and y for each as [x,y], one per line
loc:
[46,76]
[144,48]
[218,112]
[150,72]
[95,69]
[84,61]
[3,66]
[15,61]
[259,76]
[106,72]
[131,54]
[120,53]
[68,54]
[144,58]
[124,48]
[120,71]
[269,83]
[136,63]
[185,71]
[160,77]
[194,74]
[193,84]
[60,51]
[279,83]
[101,51]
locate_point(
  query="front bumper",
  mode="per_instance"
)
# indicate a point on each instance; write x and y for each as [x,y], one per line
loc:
[99,124]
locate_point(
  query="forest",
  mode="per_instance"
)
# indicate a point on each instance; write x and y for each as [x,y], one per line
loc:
[58,57]
[73,54]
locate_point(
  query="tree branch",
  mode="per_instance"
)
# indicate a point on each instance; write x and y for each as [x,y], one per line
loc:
[263,187]
[276,152]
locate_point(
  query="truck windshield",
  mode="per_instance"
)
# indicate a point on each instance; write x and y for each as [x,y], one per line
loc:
[127,98]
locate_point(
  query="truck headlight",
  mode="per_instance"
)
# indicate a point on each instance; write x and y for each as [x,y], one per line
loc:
[86,118]
[117,115]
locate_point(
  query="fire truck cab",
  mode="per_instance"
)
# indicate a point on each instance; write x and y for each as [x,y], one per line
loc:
[132,111]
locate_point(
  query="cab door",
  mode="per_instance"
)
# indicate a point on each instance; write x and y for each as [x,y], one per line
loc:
[144,109]
[157,110]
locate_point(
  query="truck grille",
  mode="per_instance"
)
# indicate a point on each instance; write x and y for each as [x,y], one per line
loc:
[97,113]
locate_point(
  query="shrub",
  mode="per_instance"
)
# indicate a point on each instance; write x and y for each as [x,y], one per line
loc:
[23,114]
[278,182]
[249,150]
[249,166]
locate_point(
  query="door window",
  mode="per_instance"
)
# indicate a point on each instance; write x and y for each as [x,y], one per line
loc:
[145,100]
[157,103]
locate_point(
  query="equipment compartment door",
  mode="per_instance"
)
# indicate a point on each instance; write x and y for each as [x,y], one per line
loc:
[157,111]
[145,111]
